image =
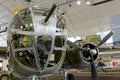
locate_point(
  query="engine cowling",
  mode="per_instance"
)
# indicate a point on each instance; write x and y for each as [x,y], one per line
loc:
[88,50]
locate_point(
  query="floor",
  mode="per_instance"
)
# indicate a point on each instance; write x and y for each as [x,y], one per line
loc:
[86,76]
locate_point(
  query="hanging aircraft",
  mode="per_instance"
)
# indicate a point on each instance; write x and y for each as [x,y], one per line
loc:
[38,45]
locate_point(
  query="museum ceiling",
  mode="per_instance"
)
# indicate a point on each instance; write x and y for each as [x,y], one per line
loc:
[82,19]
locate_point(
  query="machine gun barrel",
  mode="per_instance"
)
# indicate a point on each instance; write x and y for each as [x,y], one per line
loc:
[50,12]
[54,7]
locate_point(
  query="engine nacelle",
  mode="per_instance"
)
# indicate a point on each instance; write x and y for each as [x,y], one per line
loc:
[88,50]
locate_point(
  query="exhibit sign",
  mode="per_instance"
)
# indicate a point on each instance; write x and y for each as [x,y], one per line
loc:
[115,25]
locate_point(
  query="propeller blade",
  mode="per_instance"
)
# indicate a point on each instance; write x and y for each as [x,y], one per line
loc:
[106,38]
[93,70]
[73,45]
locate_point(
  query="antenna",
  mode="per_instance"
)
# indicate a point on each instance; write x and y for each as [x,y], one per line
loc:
[28,1]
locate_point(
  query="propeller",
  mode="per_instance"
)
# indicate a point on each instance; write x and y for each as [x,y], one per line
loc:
[93,68]
[92,52]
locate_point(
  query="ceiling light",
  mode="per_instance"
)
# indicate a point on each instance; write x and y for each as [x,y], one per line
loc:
[88,2]
[78,2]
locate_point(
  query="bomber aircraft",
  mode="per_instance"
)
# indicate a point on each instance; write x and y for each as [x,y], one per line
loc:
[37,45]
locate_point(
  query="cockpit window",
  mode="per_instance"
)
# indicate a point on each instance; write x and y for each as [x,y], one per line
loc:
[59,41]
[22,41]
[23,20]
[60,24]
[43,48]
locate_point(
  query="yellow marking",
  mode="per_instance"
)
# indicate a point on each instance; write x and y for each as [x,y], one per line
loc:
[25,41]
[17,8]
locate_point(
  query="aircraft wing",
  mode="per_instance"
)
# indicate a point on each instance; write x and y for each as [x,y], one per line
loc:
[109,59]
[3,43]
[3,49]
